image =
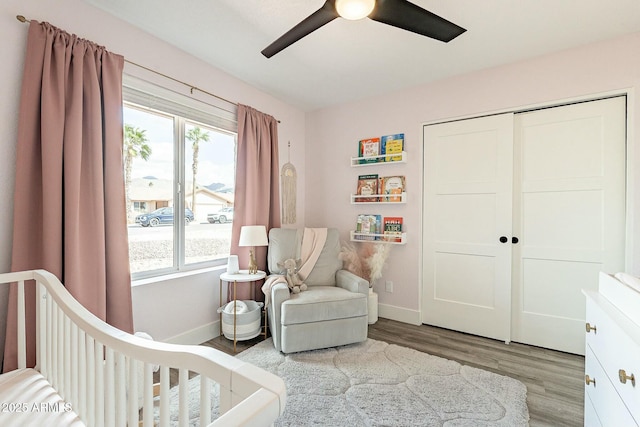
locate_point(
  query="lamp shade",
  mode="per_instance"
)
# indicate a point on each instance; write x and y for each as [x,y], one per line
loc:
[253,235]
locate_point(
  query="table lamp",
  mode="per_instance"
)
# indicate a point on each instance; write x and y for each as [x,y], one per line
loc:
[253,235]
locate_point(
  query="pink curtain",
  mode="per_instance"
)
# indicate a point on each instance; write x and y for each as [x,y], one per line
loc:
[257,197]
[69,203]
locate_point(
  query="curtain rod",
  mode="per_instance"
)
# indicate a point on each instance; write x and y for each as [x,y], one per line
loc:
[192,88]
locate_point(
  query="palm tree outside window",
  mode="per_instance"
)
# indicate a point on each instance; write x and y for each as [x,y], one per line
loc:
[135,145]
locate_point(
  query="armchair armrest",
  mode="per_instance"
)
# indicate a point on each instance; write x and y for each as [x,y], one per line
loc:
[279,294]
[349,281]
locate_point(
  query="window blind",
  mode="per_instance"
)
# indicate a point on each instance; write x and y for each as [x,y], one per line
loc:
[150,95]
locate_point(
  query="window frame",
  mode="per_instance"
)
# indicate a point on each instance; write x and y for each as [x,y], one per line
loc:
[132,90]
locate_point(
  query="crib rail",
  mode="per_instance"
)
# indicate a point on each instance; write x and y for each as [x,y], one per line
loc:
[96,367]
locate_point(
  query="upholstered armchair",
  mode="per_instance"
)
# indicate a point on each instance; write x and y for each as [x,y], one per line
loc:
[333,309]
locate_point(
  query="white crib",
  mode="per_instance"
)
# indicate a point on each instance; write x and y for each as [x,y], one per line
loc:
[87,372]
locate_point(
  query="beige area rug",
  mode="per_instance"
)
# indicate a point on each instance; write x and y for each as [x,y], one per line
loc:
[378,384]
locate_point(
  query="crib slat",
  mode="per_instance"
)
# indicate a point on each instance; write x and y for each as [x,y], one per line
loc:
[147,408]
[110,389]
[121,393]
[73,367]
[132,392]
[22,341]
[60,351]
[54,344]
[90,384]
[205,400]
[48,366]
[67,358]
[37,326]
[41,321]
[82,375]
[99,384]
[183,398]
[164,396]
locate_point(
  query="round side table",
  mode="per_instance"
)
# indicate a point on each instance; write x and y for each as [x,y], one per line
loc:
[242,276]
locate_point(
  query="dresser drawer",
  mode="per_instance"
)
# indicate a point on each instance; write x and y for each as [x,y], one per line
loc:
[610,409]
[617,351]
[590,416]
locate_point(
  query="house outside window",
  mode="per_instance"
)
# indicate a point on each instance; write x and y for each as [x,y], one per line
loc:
[179,166]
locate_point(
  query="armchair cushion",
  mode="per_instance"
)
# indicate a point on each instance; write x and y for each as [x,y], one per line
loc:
[283,244]
[322,303]
[329,262]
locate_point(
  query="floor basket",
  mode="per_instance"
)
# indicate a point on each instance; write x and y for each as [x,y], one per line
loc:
[248,318]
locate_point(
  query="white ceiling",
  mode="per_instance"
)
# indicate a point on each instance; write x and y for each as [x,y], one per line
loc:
[350,60]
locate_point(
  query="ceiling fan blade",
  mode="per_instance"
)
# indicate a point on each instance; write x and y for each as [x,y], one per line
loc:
[317,19]
[406,15]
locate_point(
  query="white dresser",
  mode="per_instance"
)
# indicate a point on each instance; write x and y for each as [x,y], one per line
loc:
[612,357]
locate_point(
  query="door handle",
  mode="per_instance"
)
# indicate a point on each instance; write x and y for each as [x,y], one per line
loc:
[514,240]
[503,239]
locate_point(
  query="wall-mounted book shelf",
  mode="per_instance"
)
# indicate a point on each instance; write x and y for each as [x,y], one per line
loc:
[378,238]
[373,189]
[378,160]
[383,199]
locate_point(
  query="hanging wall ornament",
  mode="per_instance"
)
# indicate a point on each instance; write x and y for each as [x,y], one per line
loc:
[288,177]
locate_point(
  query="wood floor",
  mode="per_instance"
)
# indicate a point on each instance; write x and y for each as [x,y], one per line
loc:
[554,380]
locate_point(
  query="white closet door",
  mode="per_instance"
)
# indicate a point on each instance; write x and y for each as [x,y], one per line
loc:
[569,213]
[467,207]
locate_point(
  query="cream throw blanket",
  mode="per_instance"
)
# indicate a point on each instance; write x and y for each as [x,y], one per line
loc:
[313,240]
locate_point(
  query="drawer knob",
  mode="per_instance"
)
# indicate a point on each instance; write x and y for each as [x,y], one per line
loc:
[588,380]
[590,328]
[622,375]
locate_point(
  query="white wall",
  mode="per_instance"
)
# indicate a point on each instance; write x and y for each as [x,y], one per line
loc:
[169,308]
[332,136]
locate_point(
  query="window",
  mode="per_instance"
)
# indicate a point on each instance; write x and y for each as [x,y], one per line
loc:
[140,207]
[179,176]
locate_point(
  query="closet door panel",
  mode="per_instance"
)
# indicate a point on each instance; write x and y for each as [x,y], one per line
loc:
[550,144]
[472,285]
[558,220]
[457,225]
[467,207]
[558,281]
[569,198]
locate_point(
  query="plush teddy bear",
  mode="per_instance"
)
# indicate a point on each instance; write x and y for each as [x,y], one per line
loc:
[294,281]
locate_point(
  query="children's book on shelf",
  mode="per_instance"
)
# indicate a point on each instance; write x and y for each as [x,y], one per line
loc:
[392,144]
[369,147]
[393,186]
[368,224]
[392,229]
[367,185]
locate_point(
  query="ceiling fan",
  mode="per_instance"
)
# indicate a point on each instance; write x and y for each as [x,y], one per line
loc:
[398,13]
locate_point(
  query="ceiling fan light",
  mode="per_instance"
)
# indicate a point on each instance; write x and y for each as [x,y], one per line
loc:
[355,9]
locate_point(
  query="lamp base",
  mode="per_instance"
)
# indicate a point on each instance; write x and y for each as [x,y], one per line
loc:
[253,267]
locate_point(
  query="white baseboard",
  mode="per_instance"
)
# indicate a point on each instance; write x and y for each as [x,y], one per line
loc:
[198,335]
[400,314]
